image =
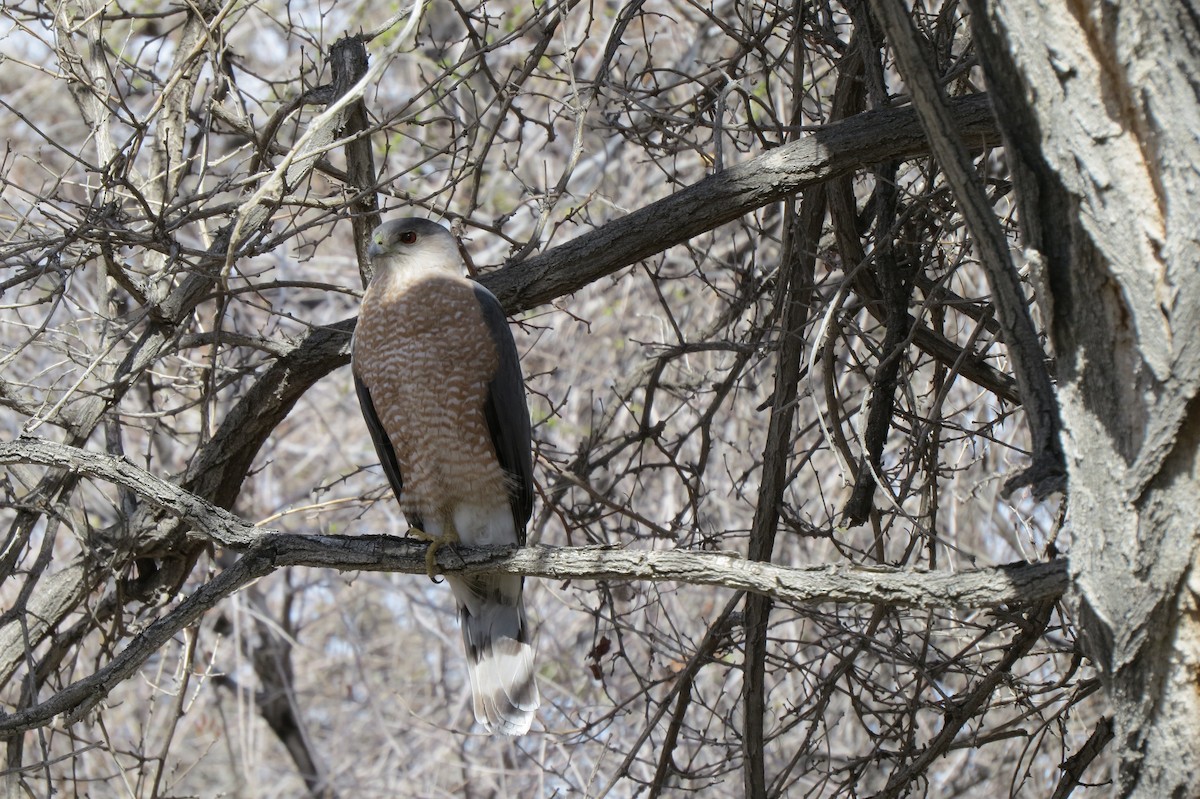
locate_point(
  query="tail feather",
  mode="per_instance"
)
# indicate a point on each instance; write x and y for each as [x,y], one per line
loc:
[503,688]
[499,655]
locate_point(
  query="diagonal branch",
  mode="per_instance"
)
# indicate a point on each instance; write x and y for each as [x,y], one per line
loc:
[1047,473]
[1075,765]
[967,704]
[1003,585]
[829,151]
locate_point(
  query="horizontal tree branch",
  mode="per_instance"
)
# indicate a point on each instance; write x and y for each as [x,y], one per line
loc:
[264,551]
[975,588]
[1014,583]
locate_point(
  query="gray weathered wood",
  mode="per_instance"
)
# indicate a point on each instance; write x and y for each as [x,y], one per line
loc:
[1099,107]
[976,588]
[264,551]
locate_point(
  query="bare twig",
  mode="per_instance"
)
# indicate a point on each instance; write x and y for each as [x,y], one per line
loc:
[1047,473]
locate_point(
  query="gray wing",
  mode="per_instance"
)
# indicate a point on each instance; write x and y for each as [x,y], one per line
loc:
[383,445]
[507,413]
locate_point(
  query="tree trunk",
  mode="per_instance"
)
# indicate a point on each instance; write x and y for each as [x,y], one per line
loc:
[1098,103]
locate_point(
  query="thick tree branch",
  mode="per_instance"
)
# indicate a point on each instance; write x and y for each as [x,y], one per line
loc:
[862,140]
[1099,106]
[977,588]
[263,552]
[219,471]
[348,58]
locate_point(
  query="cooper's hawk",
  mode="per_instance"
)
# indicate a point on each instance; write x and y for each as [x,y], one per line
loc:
[440,386]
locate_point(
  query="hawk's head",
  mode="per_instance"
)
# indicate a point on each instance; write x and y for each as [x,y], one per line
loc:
[414,245]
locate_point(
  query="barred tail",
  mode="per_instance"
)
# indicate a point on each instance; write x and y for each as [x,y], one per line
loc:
[499,656]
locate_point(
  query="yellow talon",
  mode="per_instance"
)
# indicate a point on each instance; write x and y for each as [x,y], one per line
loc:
[436,542]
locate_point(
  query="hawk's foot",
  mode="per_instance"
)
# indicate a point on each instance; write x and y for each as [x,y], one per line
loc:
[436,542]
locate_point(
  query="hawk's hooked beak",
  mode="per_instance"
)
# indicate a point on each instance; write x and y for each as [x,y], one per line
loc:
[374,250]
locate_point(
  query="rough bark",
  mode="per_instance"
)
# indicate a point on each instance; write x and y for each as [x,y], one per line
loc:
[835,149]
[1099,107]
[263,552]
[990,587]
[1045,474]
[978,588]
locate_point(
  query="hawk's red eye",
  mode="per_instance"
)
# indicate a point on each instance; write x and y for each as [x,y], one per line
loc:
[408,237]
